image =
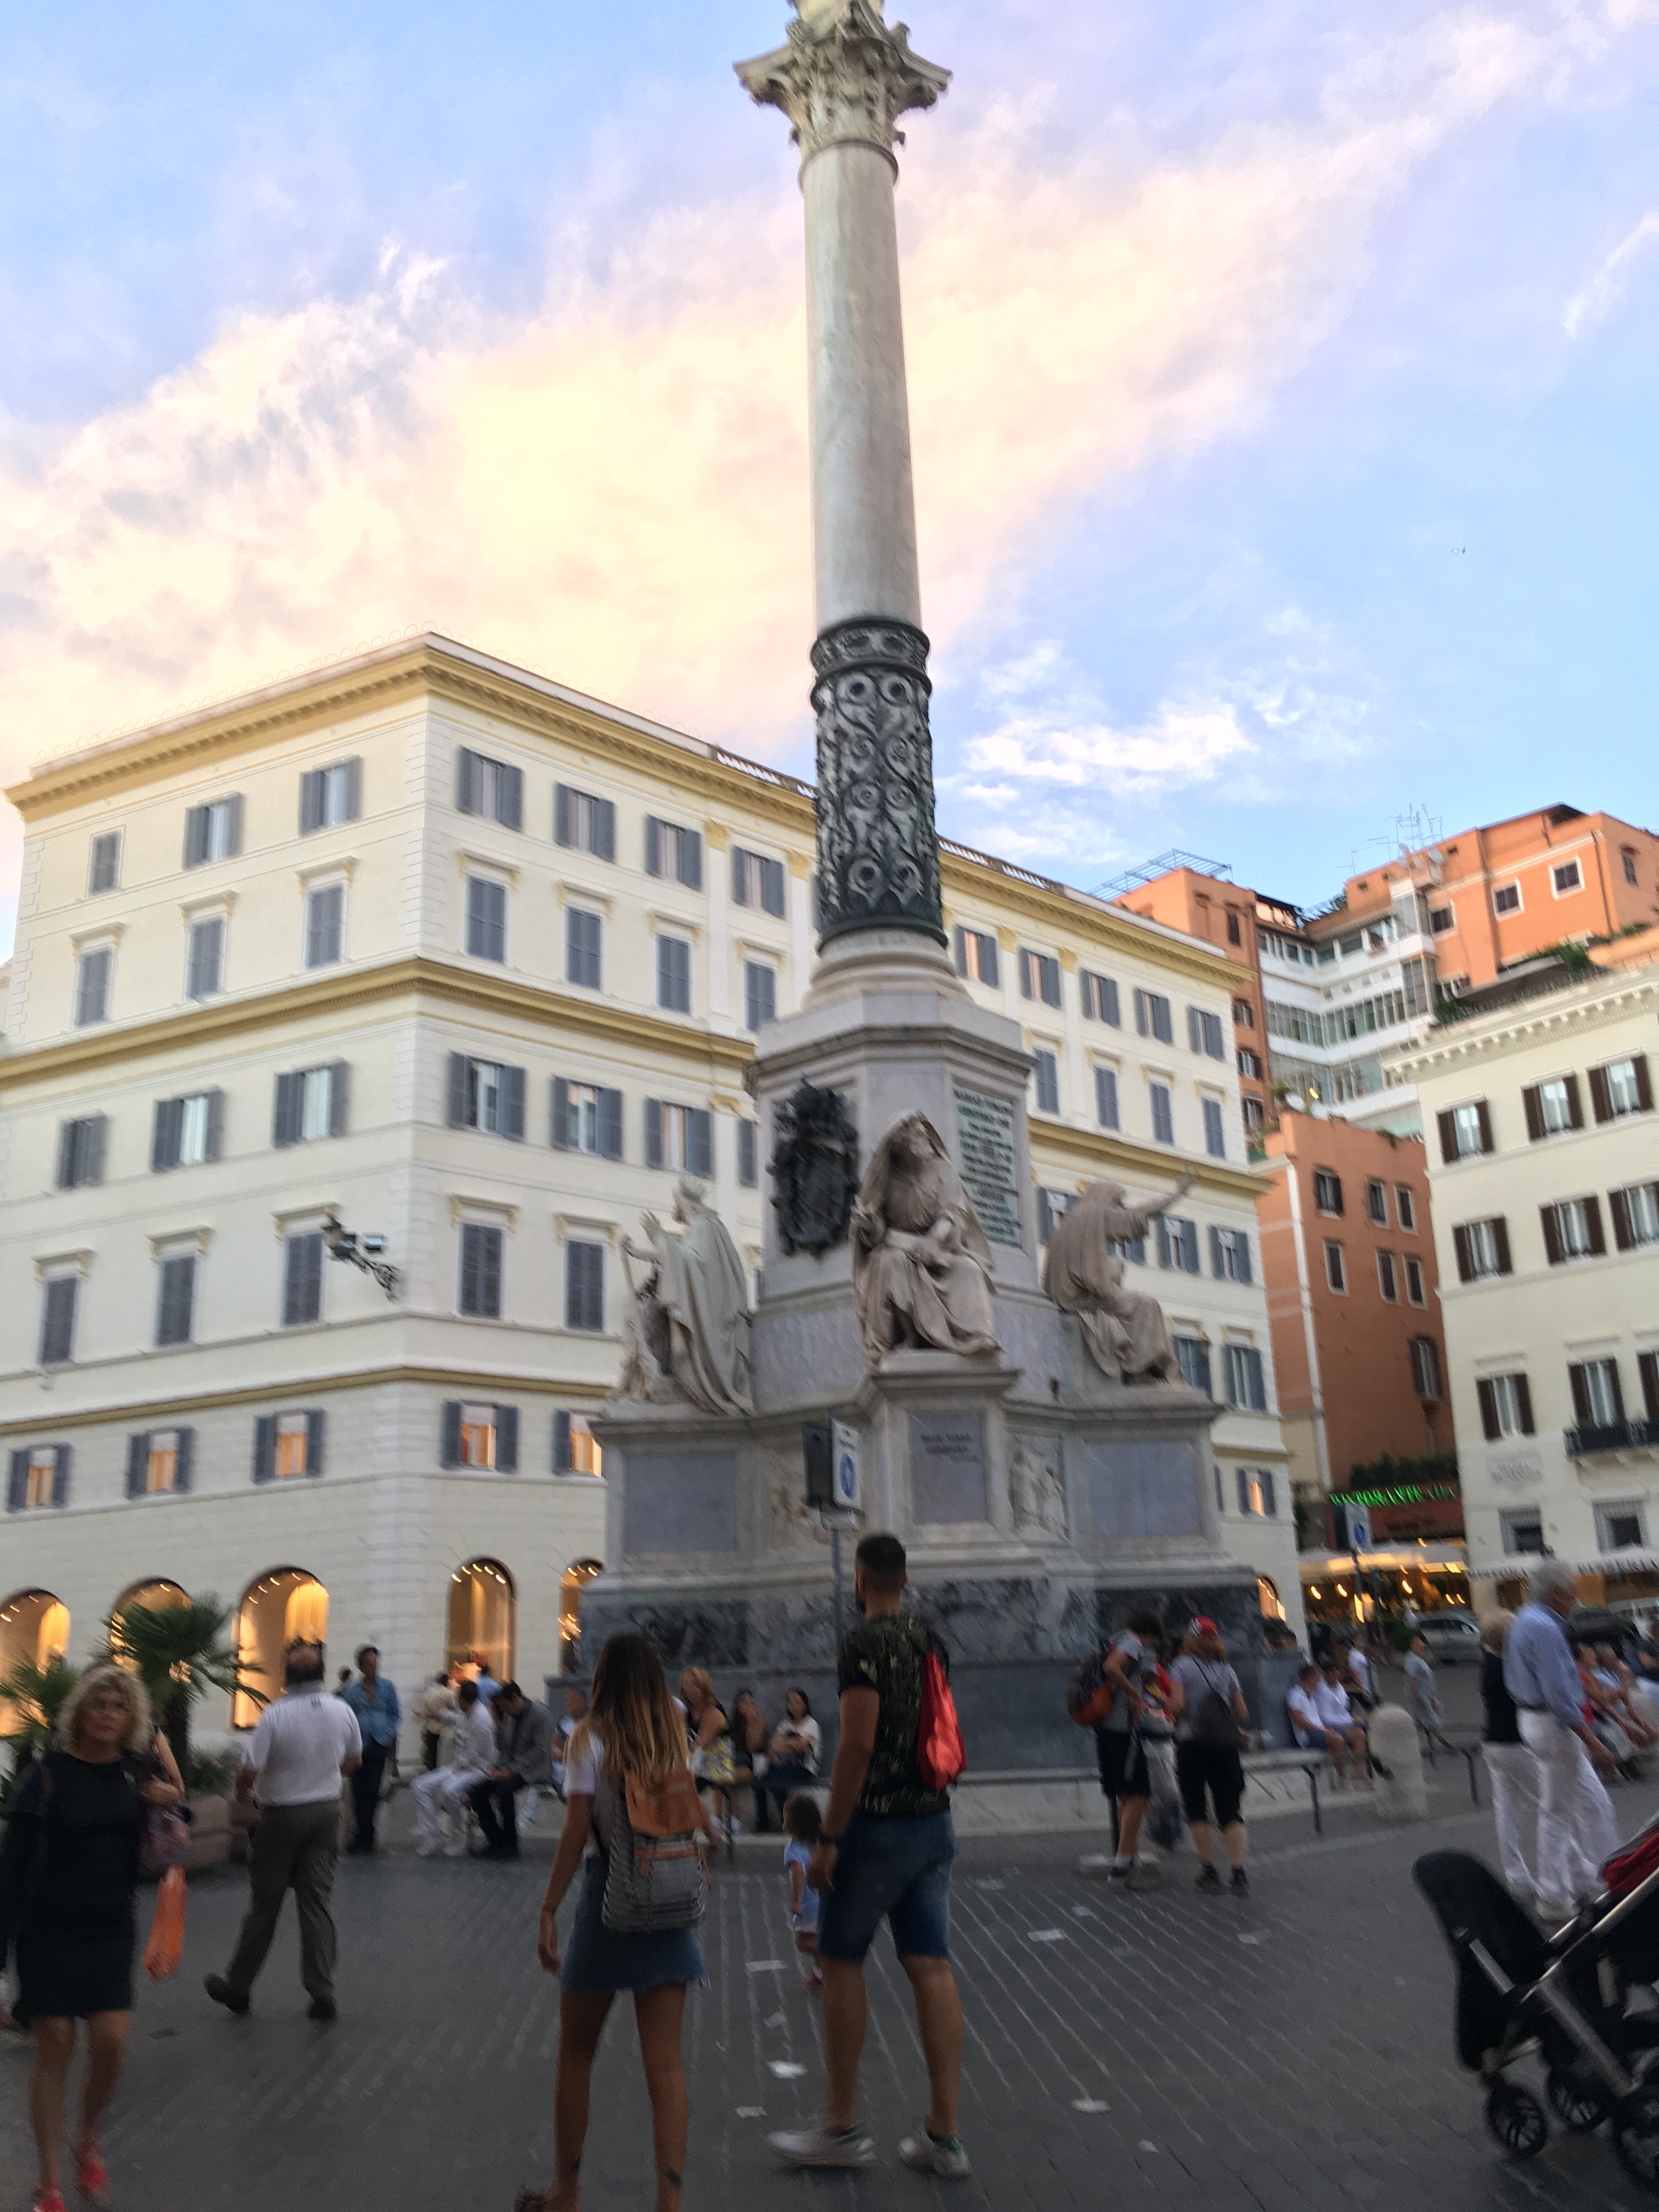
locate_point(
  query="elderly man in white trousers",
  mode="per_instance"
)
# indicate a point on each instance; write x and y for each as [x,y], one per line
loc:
[1576,1829]
[472,1754]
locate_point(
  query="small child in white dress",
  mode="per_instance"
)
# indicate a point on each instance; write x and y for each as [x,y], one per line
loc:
[803,1827]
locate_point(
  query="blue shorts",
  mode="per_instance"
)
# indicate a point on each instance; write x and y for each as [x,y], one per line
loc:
[894,1870]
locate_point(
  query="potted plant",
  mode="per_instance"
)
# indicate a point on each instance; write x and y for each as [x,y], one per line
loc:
[35,1695]
[178,1652]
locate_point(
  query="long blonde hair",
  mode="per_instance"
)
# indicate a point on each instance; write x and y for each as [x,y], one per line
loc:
[105,1675]
[632,1714]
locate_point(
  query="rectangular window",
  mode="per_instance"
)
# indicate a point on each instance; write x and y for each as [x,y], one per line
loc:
[678,1137]
[1506,899]
[1243,1014]
[204,957]
[756,881]
[1414,1281]
[1627,860]
[1524,1532]
[1039,976]
[1505,1406]
[1405,1206]
[293,1441]
[481,1272]
[486,919]
[674,975]
[1619,1527]
[1482,1249]
[1566,878]
[330,796]
[584,1286]
[60,1295]
[1230,1254]
[286,1446]
[1376,1203]
[584,823]
[1249,1063]
[587,1118]
[1215,1139]
[475,1443]
[1235,933]
[1572,1230]
[1162,1112]
[1256,1494]
[40,1478]
[1177,1243]
[1552,1107]
[1465,1132]
[748,1155]
[1328,1191]
[1246,1378]
[1442,920]
[1388,1281]
[80,1152]
[1336,1270]
[1204,1033]
[1153,1018]
[584,949]
[760,994]
[175,1299]
[186,1131]
[1621,1087]
[490,788]
[1106,1098]
[162,1463]
[104,863]
[213,832]
[303,1278]
[92,971]
[325,925]
[310,1103]
[1635,1215]
[1254,1118]
[674,853]
[575,1449]
[1045,1074]
[1598,1400]
[1193,1358]
[485,1096]
[1099,997]
[976,955]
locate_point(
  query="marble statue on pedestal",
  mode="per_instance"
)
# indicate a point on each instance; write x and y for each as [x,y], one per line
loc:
[922,1267]
[1125,1330]
[688,1335]
[1037,1492]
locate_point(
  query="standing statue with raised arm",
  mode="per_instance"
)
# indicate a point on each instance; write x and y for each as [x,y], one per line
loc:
[922,1267]
[688,1335]
[1125,1330]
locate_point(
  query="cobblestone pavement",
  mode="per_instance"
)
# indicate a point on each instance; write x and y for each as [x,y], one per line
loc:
[1291,2050]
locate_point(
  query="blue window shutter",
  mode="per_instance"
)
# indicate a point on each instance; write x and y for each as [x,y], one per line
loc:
[449,1442]
[691,858]
[1045,1214]
[60,1474]
[513,1119]
[772,890]
[1140,1011]
[164,1133]
[740,876]
[464,801]
[654,1133]
[1217,1265]
[354,804]
[339,1088]
[562,797]
[185,1468]
[457,1099]
[509,787]
[506,1439]
[605,829]
[1242,1254]
[65,1155]
[216,1123]
[234,836]
[316,1423]
[196,837]
[264,1447]
[1269,1496]
[1220,1495]
[1195,1031]
[700,1141]
[1243,1490]
[285,1118]
[310,801]
[610,1125]
[491,1272]
[959,947]
[17,1485]
[561,1137]
[652,846]
[1106,1098]
[561,1444]
[138,1463]
[748,1170]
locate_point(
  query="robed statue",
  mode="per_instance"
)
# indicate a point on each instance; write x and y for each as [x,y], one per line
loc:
[1125,1330]
[688,1336]
[922,1267]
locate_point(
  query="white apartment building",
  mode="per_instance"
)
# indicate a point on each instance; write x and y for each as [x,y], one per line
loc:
[427,952]
[1544,1162]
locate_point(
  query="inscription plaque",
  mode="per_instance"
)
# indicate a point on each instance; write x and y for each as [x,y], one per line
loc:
[681,1502]
[947,1466]
[1144,1489]
[985,1139]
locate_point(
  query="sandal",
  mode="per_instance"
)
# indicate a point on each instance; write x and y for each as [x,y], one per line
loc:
[91,2175]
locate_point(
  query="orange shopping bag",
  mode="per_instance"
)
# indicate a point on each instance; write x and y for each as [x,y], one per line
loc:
[166,1947]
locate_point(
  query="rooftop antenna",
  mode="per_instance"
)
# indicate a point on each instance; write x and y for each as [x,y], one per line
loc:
[1417,827]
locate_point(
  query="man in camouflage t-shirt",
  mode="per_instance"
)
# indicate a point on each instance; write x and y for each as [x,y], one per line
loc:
[885,1854]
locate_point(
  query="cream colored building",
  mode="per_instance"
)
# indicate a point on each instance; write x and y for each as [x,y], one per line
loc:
[464,961]
[1544,1162]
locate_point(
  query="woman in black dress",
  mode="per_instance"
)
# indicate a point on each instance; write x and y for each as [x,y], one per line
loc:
[67,1885]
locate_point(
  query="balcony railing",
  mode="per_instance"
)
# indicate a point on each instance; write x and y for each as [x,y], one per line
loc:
[1612,1436]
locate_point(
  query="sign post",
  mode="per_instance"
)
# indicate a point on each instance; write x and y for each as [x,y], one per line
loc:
[835,1487]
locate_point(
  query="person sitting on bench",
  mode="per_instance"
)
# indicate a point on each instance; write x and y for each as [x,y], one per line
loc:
[1311,1730]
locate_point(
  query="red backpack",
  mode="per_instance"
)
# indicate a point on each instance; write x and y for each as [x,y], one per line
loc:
[940,1752]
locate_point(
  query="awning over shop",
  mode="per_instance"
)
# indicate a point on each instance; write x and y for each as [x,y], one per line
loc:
[1611,1564]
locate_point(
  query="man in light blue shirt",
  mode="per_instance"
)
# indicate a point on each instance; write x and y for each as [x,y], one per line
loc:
[374,1701]
[1576,1827]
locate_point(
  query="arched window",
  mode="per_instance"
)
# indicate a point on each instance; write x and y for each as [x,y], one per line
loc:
[484,1620]
[154,1594]
[285,1606]
[35,1627]
[1268,1597]
[577,1576]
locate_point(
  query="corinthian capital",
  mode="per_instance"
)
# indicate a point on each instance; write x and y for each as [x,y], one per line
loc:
[844,74]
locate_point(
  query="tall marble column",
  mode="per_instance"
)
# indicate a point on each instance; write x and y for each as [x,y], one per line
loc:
[843,80]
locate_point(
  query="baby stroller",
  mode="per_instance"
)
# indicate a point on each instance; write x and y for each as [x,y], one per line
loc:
[1581,1999]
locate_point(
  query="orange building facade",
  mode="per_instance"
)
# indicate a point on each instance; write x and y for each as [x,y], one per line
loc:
[1347,1255]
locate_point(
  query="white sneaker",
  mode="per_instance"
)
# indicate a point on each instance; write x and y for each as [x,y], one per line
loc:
[928,2154]
[824,2147]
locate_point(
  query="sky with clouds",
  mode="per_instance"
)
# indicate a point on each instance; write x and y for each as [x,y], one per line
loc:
[1282,381]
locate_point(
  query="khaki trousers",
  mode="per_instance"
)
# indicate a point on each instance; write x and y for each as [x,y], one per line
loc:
[294,1847]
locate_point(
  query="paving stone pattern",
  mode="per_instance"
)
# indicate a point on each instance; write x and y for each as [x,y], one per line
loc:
[1288,2050]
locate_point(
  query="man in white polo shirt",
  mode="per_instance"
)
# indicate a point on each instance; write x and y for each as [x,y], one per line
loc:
[304,1741]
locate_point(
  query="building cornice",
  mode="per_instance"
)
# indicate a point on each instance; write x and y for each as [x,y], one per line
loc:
[1139,1164]
[357,990]
[1611,998]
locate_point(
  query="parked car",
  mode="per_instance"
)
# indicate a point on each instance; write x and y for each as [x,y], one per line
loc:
[1450,1636]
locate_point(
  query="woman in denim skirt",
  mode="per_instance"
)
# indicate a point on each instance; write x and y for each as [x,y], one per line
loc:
[631,1728]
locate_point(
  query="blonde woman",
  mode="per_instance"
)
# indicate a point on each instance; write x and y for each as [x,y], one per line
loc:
[1510,1767]
[631,1729]
[67,1883]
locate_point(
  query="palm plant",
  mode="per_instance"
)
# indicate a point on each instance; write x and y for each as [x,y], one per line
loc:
[34,1696]
[178,1652]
